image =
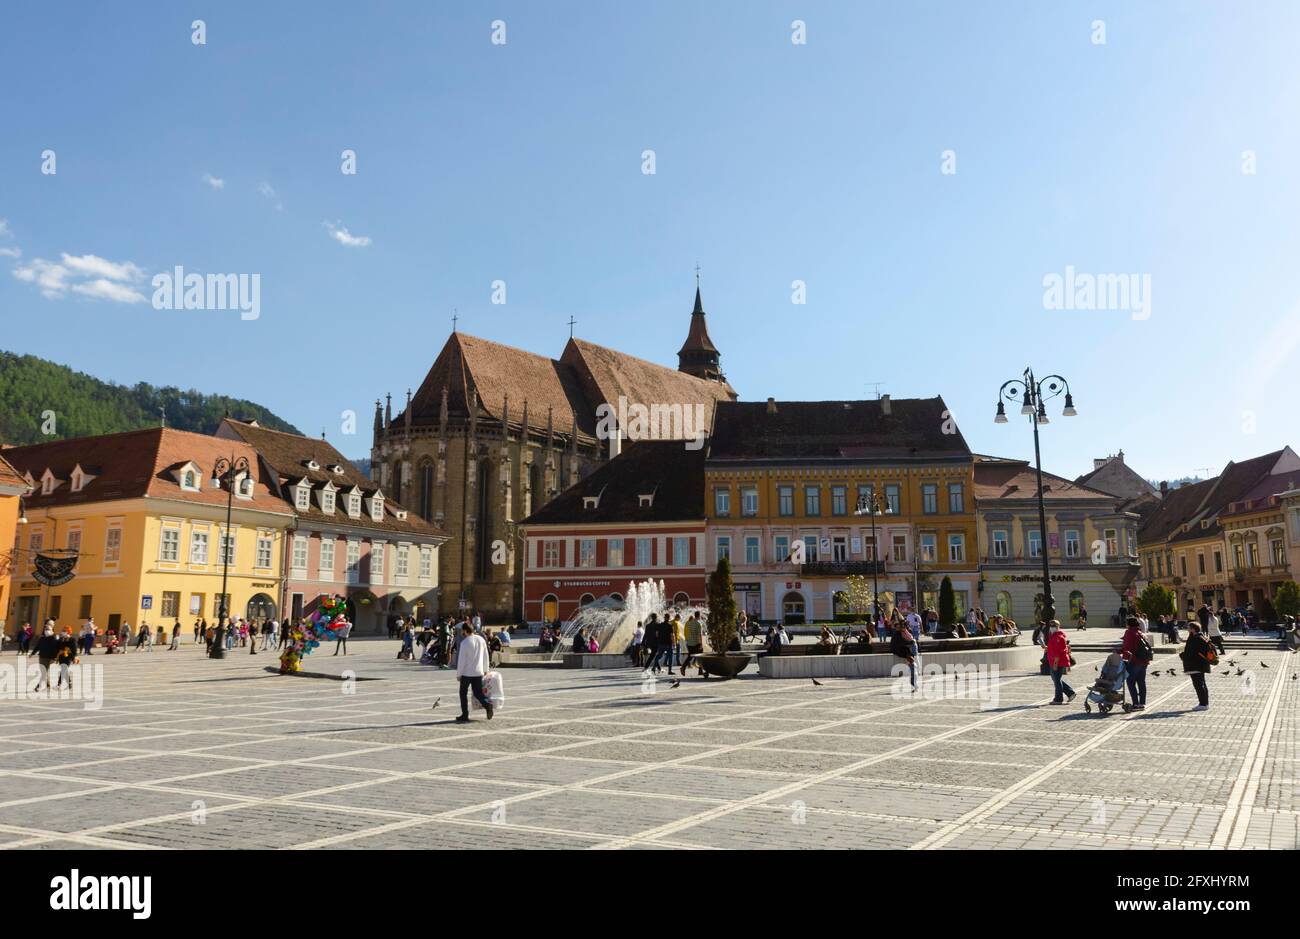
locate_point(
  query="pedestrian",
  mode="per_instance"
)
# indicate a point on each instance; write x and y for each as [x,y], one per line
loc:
[1082,617]
[650,644]
[634,648]
[471,666]
[198,630]
[66,656]
[1198,657]
[1210,627]
[1137,652]
[176,637]
[694,640]
[1059,661]
[88,637]
[46,652]
[342,637]
[25,639]
[902,645]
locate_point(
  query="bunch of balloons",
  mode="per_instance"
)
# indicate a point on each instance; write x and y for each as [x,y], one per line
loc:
[329,617]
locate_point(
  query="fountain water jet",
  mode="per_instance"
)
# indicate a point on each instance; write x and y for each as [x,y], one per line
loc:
[613,621]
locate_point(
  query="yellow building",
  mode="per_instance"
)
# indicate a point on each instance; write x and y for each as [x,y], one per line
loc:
[148,528]
[12,488]
[783,484]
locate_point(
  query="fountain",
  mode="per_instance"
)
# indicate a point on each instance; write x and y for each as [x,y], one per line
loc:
[613,621]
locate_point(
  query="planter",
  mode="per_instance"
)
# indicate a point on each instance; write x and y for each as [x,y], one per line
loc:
[723,666]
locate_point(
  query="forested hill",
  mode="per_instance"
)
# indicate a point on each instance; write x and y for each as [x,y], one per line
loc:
[84,405]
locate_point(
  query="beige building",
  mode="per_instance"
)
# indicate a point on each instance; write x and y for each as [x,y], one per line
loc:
[1090,543]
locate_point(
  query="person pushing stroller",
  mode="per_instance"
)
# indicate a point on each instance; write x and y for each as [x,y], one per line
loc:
[1108,690]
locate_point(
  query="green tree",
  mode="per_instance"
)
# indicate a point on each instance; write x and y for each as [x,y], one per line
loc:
[1156,601]
[947,603]
[1287,599]
[722,607]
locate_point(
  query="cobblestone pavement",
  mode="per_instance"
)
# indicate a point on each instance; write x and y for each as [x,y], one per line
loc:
[187,752]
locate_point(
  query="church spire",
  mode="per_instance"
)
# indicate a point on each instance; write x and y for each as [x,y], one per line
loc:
[698,356]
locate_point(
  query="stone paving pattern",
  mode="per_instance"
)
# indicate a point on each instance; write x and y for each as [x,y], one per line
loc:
[191,753]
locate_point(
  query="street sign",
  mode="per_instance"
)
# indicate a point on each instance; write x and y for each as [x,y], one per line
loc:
[146,602]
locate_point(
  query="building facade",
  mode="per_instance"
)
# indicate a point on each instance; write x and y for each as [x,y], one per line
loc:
[1185,547]
[12,488]
[148,529]
[1090,543]
[494,433]
[638,517]
[1255,543]
[348,538]
[783,481]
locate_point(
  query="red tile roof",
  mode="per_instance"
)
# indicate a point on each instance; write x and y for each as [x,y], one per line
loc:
[997,478]
[140,463]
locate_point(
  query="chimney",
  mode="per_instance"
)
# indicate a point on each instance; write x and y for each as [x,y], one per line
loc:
[1164,488]
[771,405]
[1098,463]
[885,405]
[1120,456]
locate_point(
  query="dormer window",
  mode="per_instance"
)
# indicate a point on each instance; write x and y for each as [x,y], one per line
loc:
[377,507]
[244,487]
[336,469]
[80,478]
[49,482]
[302,497]
[327,502]
[400,514]
[646,499]
[190,480]
[590,502]
[354,505]
[311,464]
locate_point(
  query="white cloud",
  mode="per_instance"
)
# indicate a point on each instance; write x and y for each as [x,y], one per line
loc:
[344,237]
[90,265]
[4,228]
[10,253]
[268,190]
[103,289]
[88,275]
[213,181]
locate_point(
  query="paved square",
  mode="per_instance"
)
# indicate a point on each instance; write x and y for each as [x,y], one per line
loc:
[187,752]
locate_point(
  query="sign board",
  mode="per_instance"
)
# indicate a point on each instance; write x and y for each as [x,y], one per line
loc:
[855,545]
[146,602]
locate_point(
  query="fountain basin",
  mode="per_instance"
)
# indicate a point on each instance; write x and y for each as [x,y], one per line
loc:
[723,666]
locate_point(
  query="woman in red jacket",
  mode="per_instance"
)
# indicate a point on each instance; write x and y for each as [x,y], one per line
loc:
[1137,652]
[1058,660]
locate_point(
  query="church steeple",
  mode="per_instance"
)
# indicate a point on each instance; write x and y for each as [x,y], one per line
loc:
[698,356]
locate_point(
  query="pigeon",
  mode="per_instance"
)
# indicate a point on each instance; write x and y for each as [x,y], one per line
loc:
[1232,661]
[1241,671]
[1244,654]
[1295,675]
[435,703]
[676,682]
[1171,671]
[817,683]
[1263,665]
[1228,672]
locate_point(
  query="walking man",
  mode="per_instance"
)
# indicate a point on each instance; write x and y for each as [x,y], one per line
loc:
[694,641]
[471,666]
[1137,652]
[1198,658]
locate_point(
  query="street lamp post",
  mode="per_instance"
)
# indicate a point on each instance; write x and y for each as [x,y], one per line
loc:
[1033,395]
[226,471]
[872,505]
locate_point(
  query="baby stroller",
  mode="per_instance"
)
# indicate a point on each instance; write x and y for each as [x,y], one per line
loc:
[1108,690]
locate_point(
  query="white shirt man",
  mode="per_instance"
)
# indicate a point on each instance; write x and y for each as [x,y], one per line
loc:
[471,665]
[638,635]
[914,622]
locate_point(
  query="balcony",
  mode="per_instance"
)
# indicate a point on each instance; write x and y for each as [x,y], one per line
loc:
[841,568]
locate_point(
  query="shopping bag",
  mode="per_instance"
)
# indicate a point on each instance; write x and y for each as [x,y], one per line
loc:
[493,689]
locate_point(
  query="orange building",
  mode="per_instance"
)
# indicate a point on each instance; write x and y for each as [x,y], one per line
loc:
[12,488]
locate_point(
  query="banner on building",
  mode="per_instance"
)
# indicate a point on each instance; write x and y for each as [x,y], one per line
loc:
[52,570]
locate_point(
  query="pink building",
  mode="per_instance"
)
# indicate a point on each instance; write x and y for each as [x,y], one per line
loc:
[348,539]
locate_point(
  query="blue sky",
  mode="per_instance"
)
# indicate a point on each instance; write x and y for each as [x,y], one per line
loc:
[775,162]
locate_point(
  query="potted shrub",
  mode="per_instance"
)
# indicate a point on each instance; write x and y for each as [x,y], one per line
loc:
[721,627]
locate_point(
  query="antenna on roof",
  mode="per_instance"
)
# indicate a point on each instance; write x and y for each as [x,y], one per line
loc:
[1205,470]
[876,385]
